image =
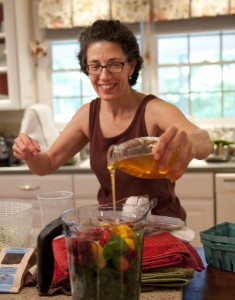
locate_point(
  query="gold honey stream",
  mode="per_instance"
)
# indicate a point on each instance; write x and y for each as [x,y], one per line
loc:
[111,169]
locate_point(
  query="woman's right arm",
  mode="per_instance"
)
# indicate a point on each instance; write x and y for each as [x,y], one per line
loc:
[73,138]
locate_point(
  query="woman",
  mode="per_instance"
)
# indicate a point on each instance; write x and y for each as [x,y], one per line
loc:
[109,55]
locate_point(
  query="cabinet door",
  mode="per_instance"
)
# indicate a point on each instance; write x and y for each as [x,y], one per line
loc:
[196,194]
[9,88]
[195,185]
[225,200]
[86,187]
[225,207]
[200,216]
[17,81]
[26,188]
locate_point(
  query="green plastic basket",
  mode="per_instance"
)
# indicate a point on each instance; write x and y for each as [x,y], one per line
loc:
[219,246]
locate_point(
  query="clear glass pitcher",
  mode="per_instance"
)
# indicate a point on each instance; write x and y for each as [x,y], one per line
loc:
[104,249]
[135,157]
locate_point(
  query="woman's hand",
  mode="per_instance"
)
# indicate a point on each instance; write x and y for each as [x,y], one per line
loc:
[174,142]
[25,148]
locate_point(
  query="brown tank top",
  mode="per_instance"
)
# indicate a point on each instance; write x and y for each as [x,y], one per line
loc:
[126,185]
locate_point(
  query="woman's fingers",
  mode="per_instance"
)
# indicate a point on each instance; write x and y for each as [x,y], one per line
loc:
[174,152]
[24,147]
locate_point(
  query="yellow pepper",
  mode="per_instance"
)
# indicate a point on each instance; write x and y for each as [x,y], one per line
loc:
[97,253]
[127,234]
[130,243]
[125,231]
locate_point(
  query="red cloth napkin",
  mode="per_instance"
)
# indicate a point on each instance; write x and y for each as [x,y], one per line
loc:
[159,251]
[165,250]
[61,268]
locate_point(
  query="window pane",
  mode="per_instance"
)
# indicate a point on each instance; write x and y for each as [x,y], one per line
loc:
[204,48]
[173,79]
[172,50]
[206,105]
[65,108]
[228,42]
[87,88]
[66,83]
[88,99]
[229,77]
[181,101]
[64,55]
[206,78]
[229,105]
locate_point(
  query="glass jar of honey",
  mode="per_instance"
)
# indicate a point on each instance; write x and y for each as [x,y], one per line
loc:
[135,158]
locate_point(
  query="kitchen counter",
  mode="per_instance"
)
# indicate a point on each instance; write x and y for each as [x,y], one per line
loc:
[30,293]
[212,283]
[84,167]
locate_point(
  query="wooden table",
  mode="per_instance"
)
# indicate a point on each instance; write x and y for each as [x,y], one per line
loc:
[210,284]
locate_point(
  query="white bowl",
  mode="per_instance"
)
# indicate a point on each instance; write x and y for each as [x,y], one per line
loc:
[16,222]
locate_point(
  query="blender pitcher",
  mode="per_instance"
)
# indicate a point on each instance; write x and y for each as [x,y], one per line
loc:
[104,249]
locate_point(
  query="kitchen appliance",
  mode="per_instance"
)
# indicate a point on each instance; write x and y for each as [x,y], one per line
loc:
[225,200]
[6,153]
[222,152]
[93,228]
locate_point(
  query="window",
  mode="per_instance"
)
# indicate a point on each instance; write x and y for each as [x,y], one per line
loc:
[70,87]
[194,70]
[196,73]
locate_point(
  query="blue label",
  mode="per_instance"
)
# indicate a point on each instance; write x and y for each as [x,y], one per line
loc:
[17,250]
[7,275]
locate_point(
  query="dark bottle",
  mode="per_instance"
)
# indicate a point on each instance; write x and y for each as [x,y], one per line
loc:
[4,153]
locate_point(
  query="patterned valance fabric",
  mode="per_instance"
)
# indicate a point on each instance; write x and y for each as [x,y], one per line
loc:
[86,12]
[57,14]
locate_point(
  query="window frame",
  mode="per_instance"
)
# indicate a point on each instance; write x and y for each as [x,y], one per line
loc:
[198,25]
[194,25]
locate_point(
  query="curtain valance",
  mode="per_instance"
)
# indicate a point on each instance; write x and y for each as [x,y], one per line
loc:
[58,14]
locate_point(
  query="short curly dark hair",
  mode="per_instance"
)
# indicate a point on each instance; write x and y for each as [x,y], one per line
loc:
[112,31]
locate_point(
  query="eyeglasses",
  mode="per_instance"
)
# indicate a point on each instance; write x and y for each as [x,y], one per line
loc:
[113,67]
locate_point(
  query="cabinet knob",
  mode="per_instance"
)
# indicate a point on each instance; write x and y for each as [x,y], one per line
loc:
[28,187]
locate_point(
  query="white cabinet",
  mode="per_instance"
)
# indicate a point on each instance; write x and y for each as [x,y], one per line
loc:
[196,194]
[17,82]
[225,199]
[85,189]
[26,187]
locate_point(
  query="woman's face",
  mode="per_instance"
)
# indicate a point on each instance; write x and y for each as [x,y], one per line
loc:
[109,85]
